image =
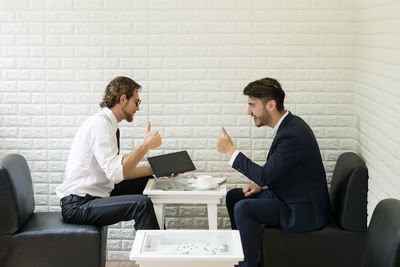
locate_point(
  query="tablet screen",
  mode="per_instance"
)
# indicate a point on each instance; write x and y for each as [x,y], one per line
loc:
[177,162]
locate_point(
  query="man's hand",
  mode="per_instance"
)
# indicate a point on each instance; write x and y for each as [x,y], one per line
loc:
[152,138]
[250,189]
[225,144]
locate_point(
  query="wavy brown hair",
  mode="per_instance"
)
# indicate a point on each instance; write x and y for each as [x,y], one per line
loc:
[266,89]
[116,88]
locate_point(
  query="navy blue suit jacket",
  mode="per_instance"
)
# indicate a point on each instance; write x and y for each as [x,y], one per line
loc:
[295,174]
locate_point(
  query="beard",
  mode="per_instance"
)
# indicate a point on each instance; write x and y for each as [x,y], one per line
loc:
[128,116]
[264,119]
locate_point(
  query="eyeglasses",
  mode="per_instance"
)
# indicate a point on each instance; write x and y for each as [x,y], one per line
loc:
[137,102]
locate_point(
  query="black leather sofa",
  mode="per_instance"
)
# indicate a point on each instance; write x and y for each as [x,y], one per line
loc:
[341,242]
[382,248]
[41,239]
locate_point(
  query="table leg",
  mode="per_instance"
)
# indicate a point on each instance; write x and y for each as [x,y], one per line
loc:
[159,210]
[212,216]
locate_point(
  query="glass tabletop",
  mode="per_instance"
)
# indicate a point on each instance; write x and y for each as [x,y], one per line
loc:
[181,184]
[182,243]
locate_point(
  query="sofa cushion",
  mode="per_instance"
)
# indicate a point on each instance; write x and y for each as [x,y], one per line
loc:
[317,248]
[46,236]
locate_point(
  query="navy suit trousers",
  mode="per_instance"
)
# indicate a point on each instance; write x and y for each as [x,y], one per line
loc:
[247,214]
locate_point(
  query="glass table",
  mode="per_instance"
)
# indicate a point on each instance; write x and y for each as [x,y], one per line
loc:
[164,191]
[181,248]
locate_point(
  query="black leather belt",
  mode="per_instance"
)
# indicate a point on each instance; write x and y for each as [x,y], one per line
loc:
[74,198]
[71,198]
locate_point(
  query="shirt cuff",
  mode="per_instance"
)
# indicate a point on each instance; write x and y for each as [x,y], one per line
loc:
[233,157]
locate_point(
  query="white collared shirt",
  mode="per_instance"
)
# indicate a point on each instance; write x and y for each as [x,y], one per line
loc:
[93,165]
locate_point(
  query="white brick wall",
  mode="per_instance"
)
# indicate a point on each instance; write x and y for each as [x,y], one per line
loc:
[377,95]
[193,59]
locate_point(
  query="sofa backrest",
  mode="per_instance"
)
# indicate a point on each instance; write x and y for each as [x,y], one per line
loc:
[348,192]
[383,235]
[16,193]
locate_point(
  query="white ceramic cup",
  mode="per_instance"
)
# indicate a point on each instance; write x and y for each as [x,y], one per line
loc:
[204,180]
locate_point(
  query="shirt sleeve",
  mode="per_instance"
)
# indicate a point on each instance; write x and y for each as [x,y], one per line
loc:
[233,157]
[105,150]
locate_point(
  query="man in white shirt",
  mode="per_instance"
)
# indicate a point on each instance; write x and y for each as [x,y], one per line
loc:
[289,190]
[95,170]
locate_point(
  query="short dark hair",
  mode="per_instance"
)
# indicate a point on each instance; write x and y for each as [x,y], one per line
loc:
[266,89]
[116,88]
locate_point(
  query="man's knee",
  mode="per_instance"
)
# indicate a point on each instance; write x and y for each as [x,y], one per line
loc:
[234,195]
[144,201]
[242,208]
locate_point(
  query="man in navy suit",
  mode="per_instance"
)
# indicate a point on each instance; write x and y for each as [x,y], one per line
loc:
[290,189]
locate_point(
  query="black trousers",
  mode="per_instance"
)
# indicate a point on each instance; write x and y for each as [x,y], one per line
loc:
[126,202]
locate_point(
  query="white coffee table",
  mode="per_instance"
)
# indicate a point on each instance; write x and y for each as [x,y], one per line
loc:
[183,248]
[165,194]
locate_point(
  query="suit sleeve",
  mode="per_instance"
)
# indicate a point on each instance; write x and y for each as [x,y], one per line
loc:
[288,152]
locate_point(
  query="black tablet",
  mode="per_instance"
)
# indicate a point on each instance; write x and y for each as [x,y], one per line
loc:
[178,162]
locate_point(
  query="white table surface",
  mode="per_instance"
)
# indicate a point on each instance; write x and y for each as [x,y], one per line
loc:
[209,197]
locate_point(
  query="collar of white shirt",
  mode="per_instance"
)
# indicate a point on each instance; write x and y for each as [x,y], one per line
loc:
[111,116]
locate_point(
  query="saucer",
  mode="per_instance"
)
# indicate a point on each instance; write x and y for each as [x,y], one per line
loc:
[219,181]
[213,184]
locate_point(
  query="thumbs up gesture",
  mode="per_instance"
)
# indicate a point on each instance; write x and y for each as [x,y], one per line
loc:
[151,138]
[225,144]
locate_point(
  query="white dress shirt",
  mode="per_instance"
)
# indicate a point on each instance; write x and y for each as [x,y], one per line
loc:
[93,165]
[273,132]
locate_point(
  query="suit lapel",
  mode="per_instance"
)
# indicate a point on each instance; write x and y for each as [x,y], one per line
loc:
[283,124]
